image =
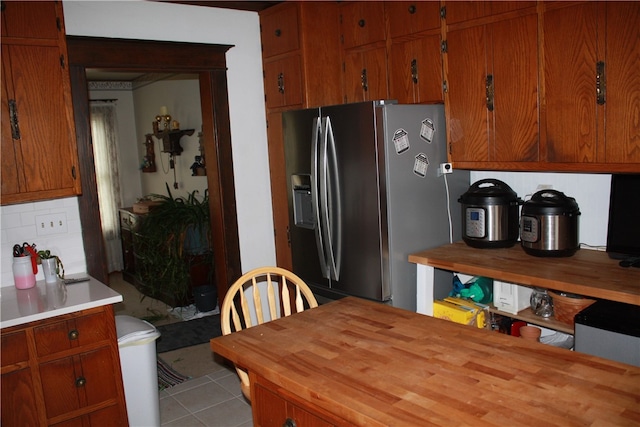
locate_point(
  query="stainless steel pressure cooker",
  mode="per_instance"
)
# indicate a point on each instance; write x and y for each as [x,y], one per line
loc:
[549,224]
[490,215]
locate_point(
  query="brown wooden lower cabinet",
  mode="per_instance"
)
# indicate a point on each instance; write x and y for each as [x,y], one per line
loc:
[63,371]
[272,406]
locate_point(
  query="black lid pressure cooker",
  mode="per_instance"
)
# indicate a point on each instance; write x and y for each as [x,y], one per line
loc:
[549,224]
[490,215]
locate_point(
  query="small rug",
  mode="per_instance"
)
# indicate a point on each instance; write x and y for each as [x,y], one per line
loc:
[186,334]
[167,376]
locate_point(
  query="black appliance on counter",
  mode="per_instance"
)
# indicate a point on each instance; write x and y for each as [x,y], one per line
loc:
[490,214]
[623,234]
[549,224]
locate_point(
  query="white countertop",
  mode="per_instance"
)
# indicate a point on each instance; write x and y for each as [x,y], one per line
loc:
[46,300]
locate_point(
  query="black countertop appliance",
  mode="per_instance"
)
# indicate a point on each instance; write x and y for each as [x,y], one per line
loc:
[490,214]
[549,225]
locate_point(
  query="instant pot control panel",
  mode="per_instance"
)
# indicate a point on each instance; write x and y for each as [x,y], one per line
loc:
[475,223]
[529,229]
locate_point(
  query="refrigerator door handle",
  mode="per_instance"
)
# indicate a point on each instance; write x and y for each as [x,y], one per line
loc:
[332,207]
[315,187]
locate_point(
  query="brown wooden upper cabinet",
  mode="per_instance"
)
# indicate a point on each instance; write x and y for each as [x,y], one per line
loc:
[362,23]
[283,82]
[39,151]
[279,31]
[363,35]
[492,99]
[592,83]
[365,75]
[415,59]
[301,54]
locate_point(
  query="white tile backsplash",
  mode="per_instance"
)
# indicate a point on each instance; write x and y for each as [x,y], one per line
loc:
[17,225]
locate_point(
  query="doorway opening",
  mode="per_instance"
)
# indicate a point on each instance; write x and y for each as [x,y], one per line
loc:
[208,62]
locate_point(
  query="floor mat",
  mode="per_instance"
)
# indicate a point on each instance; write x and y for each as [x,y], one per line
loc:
[188,333]
[167,376]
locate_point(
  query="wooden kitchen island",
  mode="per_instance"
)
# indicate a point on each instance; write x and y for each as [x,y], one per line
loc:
[355,362]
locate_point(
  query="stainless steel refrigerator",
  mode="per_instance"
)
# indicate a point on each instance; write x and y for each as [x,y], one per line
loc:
[364,192]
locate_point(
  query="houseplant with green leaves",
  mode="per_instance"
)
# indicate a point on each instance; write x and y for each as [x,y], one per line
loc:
[166,239]
[52,266]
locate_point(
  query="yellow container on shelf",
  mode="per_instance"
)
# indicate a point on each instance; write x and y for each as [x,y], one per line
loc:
[461,311]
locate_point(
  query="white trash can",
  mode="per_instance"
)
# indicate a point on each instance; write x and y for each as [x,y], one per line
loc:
[138,361]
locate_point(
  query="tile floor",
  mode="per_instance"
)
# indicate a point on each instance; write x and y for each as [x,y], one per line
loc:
[212,400]
[212,397]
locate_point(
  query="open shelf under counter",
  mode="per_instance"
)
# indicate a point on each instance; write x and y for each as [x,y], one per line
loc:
[588,273]
[528,316]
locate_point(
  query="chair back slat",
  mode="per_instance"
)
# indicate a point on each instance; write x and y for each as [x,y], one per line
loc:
[245,310]
[299,302]
[271,296]
[286,299]
[257,301]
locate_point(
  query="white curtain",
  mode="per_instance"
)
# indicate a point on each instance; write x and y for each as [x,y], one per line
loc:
[105,153]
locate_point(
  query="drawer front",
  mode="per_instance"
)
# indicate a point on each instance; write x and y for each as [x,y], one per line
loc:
[74,382]
[67,334]
[14,348]
[279,31]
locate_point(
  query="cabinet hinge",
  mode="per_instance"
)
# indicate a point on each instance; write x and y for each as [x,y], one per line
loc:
[73,171]
[443,12]
[62,62]
[444,46]
[445,88]
[601,83]
[449,148]
[13,118]
[58,24]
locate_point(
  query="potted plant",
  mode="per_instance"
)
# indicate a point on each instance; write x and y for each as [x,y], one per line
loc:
[168,240]
[52,266]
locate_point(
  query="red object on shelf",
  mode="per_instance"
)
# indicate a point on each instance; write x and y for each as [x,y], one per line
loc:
[515,327]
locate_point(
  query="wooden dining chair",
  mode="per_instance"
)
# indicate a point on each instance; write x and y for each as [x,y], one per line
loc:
[261,295]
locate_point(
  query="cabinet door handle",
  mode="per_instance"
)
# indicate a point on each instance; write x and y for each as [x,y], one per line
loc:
[361,23]
[13,114]
[489,92]
[278,32]
[289,423]
[412,9]
[73,334]
[281,83]
[414,71]
[81,382]
[363,80]
[601,83]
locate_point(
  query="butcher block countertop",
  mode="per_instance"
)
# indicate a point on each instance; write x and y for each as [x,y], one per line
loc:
[588,273]
[375,365]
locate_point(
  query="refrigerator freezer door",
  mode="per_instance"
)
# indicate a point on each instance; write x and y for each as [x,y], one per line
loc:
[300,129]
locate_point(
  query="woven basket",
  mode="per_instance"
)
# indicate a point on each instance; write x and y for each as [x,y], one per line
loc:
[565,308]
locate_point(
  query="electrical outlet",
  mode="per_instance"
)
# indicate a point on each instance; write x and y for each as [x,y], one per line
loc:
[445,168]
[51,224]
